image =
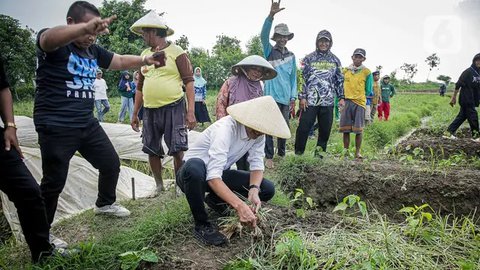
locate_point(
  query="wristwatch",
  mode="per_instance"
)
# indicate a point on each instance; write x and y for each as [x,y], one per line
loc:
[254,186]
[11,124]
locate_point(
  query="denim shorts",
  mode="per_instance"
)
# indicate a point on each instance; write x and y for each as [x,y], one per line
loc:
[167,121]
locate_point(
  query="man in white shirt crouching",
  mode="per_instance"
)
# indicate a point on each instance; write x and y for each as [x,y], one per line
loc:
[207,165]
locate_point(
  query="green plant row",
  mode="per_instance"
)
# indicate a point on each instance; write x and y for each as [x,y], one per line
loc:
[425,240]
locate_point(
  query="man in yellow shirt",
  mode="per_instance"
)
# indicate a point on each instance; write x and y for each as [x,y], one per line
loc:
[357,86]
[160,91]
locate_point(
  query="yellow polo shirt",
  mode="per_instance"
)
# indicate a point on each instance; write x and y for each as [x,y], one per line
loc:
[162,85]
[355,84]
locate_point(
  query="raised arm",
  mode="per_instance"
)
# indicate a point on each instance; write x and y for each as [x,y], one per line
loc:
[275,8]
[56,37]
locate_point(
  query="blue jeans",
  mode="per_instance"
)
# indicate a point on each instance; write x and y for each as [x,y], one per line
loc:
[102,111]
[127,104]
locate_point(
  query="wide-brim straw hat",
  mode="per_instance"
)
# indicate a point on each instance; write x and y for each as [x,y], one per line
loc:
[261,114]
[151,20]
[255,60]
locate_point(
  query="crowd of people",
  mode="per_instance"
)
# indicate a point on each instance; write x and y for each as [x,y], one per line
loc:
[168,97]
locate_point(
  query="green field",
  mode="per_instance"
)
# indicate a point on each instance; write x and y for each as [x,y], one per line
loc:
[297,235]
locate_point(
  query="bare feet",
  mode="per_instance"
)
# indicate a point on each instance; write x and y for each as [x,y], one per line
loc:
[269,164]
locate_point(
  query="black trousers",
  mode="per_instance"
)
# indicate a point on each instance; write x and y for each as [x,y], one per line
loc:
[466,113]
[242,163]
[281,143]
[324,116]
[191,178]
[59,144]
[21,188]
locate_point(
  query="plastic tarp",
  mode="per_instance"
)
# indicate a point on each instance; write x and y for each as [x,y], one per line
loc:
[81,190]
[125,140]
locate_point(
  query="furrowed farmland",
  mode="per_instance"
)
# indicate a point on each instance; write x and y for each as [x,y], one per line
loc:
[409,204]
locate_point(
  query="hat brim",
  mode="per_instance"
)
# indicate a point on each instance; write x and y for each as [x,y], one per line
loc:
[290,36]
[268,74]
[138,29]
[325,37]
[261,114]
[257,61]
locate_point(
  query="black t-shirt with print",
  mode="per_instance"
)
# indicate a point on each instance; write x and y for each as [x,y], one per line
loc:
[469,82]
[3,77]
[64,95]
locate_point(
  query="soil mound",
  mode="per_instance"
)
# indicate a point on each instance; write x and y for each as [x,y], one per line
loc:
[389,186]
[433,144]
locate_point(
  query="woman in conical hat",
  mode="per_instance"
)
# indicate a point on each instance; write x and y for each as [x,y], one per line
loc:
[245,84]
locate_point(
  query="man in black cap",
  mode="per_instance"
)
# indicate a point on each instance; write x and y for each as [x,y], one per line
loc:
[469,87]
[358,85]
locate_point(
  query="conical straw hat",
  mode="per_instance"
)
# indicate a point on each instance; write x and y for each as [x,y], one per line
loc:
[255,60]
[261,114]
[151,20]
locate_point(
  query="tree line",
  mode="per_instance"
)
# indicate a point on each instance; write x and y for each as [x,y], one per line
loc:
[18,44]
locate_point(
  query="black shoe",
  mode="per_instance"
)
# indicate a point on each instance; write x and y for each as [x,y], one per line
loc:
[221,208]
[209,235]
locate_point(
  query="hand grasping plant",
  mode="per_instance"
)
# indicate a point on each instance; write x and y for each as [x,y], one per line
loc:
[254,199]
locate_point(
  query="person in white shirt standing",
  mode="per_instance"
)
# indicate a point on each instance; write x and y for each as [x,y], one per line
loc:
[101,100]
[207,165]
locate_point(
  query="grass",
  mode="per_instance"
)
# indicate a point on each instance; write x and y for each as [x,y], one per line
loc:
[373,244]
[155,223]
[422,87]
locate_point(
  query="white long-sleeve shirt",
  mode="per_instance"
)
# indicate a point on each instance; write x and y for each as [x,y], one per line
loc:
[222,144]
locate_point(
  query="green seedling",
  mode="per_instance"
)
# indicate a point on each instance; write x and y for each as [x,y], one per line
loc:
[416,218]
[131,260]
[350,202]
[305,203]
[291,252]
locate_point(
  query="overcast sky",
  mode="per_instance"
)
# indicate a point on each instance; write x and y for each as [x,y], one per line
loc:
[393,32]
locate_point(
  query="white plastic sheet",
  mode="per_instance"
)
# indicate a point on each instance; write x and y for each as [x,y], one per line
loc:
[80,192]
